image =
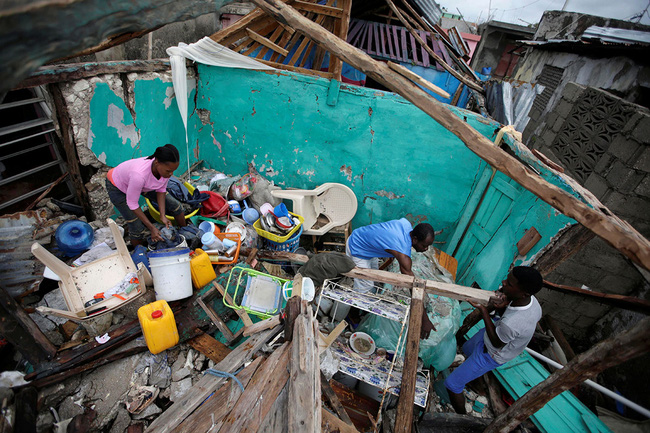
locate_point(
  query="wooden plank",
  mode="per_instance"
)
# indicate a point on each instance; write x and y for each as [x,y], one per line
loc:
[324,343]
[239,26]
[26,405]
[382,41]
[457,93]
[297,69]
[331,424]
[569,242]
[304,384]
[620,301]
[70,147]
[254,404]
[219,404]
[334,400]
[396,40]
[211,348]
[261,326]
[21,331]
[356,405]
[175,414]
[559,337]
[528,241]
[608,353]
[341,27]
[77,71]
[423,51]
[417,79]
[597,218]
[292,311]
[404,417]
[434,287]
[447,262]
[218,321]
[266,42]
[470,320]
[276,419]
[63,374]
[243,315]
[319,9]
[275,37]
[494,394]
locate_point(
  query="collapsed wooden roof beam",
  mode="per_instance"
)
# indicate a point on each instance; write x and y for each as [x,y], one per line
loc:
[614,231]
[468,82]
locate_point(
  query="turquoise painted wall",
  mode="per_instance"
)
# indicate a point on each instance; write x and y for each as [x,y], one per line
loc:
[397,160]
[119,134]
[490,266]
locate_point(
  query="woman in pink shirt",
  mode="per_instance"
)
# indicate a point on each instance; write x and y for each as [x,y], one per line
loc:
[148,177]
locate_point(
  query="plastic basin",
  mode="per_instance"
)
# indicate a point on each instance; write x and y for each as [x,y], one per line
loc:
[156,215]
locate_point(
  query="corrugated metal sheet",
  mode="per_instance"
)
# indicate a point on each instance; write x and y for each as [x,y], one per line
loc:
[458,42]
[431,10]
[20,271]
[617,36]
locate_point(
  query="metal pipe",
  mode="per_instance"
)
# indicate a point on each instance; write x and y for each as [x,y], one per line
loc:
[643,411]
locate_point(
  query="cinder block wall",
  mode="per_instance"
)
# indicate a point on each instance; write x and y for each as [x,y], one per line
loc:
[604,143]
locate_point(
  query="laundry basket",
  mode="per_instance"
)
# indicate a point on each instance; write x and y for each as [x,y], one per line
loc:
[288,246]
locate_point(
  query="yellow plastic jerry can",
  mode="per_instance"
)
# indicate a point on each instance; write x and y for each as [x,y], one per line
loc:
[158,326]
[202,269]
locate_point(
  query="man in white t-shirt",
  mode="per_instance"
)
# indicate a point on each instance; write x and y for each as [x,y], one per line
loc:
[502,339]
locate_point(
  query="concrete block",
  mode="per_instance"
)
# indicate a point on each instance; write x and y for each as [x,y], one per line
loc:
[592,309]
[548,136]
[558,124]
[632,122]
[597,185]
[550,119]
[623,148]
[621,285]
[572,92]
[576,274]
[629,207]
[622,178]
[604,164]
[641,132]
[583,322]
[643,162]
[643,188]
[563,109]
[534,114]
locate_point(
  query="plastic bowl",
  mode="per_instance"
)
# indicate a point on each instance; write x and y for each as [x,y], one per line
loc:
[360,341]
[156,215]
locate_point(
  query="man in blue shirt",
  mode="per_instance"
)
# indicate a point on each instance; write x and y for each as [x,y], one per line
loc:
[391,239]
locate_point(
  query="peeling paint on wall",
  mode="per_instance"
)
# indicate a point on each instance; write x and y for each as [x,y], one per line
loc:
[388,195]
[126,132]
[138,111]
[347,171]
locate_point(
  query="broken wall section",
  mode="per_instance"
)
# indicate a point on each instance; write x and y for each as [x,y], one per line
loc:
[604,142]
[116,117]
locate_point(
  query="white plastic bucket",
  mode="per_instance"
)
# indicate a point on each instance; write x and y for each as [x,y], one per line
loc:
[171,272]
